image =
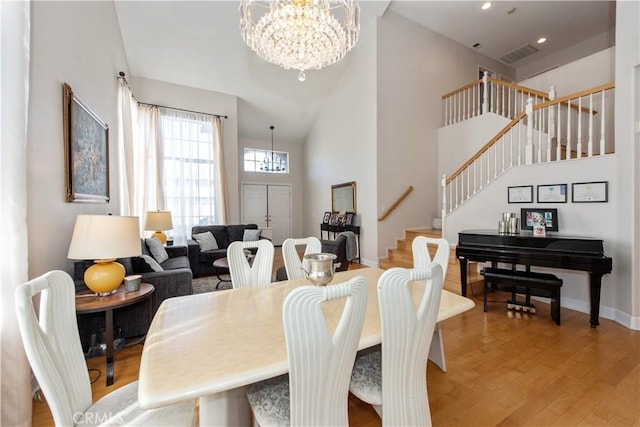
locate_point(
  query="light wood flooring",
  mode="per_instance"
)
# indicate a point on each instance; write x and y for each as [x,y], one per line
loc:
[503,369]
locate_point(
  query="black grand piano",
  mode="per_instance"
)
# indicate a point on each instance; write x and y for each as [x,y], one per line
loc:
[554,250]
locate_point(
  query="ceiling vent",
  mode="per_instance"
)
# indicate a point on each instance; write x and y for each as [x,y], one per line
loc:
[518,54]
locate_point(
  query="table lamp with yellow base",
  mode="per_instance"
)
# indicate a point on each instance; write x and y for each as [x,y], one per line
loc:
[158,221]
[104,238]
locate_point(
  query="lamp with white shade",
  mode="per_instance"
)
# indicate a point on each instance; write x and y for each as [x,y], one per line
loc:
[158,221]
[103,238]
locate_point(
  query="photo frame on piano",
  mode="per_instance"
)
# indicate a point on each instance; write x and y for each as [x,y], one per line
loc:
[533,215]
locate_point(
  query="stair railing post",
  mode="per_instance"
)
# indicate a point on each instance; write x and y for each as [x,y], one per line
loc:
[528,149]
[485,92]
[551,128]
[443,215]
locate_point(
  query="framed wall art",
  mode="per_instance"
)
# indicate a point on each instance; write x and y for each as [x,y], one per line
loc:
[86,152]
[530,217]
[520,194]
[590,192]
[554,193]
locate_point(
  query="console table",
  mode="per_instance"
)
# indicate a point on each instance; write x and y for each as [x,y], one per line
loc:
[333,229]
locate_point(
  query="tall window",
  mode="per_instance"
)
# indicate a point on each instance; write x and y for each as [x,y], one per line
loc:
[190,170]
[256,160]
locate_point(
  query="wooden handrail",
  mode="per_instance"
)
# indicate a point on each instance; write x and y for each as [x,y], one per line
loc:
[520,88]
[462,89]
[397,202]
[563,100]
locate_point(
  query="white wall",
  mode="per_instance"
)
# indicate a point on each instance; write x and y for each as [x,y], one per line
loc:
[575,219]
[459,141]
[294,178]
[78,43]
[341,147]
[596,43]
[416,66]
[627,125]
[205,101]
[584,73]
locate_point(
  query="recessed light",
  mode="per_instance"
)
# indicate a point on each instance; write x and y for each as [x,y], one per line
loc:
[486,5]
[542,40]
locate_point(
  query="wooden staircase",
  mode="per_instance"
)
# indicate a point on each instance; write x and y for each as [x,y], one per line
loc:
[402,256]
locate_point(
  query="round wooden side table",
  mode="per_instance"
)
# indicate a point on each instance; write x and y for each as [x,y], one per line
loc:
[88,302]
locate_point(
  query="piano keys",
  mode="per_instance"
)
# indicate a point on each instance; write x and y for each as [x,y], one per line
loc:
[554,250]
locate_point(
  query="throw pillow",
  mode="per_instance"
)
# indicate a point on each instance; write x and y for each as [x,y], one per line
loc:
[157,250]
[206,241]
[139,265]
[152,263]
[251,235]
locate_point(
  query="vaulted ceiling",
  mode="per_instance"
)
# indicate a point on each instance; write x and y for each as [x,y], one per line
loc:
[198,44]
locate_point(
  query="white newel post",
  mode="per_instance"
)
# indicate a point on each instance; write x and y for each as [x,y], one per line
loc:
[485,93]
[528,149]
[443,215]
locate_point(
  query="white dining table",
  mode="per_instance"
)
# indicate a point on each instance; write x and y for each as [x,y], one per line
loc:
[209,346]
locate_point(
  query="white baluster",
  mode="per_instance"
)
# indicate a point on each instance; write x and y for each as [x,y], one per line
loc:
[540,118]
[511,147]
[502,102]
[456,190]
[602,124]
[590,143]
[485,95]
[579,143]
[443,184]
[552,121]
[550,129]
[495,160]
[528,152]
[569,145]
[475,176]
[519,143]
[559,136]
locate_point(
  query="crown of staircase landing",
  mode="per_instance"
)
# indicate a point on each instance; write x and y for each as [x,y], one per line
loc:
[576,126]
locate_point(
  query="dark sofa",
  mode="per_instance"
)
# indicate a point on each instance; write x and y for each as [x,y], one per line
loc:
[133,321]
[202,262]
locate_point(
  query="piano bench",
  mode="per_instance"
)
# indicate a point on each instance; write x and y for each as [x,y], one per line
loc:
[527,282]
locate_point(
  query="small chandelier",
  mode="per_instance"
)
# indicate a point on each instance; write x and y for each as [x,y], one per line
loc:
[300,34]
[272,163]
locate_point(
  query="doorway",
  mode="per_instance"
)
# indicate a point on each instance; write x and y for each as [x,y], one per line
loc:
[269,206]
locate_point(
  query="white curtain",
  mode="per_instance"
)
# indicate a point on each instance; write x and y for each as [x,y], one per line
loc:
[141,156]
[15,383]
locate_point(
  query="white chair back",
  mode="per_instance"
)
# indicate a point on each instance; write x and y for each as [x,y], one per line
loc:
[292,262]
[258,272]
[406,338]
[320,364]
[52,344]
[421,257]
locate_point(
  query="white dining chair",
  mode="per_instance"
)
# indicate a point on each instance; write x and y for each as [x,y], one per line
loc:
[316,390]
[246,271]
[52,345]
[422,259]
[393,378]
[292,263]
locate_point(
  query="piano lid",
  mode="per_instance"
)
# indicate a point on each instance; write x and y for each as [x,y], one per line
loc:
[526,240]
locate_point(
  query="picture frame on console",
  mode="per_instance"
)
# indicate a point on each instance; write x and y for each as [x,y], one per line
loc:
[326,217]
[86,151]
[529,217]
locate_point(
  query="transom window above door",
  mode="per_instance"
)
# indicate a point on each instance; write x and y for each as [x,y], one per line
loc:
[267,161]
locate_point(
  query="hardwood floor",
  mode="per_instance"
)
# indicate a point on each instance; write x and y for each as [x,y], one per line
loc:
[503,369]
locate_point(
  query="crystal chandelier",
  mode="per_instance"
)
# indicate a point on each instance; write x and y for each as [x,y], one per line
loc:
[272,163]
[300,34]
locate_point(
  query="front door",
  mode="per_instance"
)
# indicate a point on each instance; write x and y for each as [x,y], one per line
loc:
[268,206]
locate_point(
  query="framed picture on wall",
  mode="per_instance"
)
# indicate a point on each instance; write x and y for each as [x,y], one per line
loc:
[520,194]
[555,193]
[590,192]
[86,151]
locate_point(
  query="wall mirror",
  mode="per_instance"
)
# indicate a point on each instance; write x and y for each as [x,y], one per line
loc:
[343,197]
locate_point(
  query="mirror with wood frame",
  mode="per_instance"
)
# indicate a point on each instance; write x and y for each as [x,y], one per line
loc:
[343,197]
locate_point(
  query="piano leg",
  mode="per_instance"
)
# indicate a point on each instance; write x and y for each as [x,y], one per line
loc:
[463,276]
[595,282]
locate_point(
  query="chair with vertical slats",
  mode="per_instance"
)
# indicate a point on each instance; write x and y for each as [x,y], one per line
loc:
[250,271]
